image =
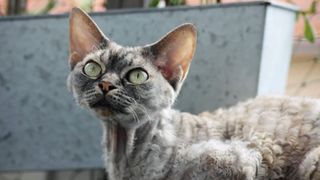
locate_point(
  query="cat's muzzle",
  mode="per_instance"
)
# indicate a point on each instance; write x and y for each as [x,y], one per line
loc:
[114,101]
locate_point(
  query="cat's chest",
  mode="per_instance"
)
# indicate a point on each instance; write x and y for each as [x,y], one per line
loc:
[153,162]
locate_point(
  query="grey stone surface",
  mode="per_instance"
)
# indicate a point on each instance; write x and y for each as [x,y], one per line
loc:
[40,125]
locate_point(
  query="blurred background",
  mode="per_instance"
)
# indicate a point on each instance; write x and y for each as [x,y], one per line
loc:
[304,72]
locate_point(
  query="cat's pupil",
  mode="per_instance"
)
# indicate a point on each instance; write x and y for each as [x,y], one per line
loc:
[92,69]
[137,76]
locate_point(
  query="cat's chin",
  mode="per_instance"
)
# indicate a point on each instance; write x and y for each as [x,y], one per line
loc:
[104,105]
[124,116]
[126,120]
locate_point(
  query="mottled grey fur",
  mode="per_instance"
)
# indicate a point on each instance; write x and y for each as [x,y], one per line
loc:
[144,138]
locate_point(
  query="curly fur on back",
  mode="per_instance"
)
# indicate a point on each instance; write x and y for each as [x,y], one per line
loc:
[263,138]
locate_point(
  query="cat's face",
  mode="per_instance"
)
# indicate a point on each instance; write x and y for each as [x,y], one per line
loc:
[126,84]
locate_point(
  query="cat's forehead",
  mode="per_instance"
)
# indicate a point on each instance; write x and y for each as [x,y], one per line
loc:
[132,55]
[115,55]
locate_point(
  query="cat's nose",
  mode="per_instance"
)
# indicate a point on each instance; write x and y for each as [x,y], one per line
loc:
[106,87]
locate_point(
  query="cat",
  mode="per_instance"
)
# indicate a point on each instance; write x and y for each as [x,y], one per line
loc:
[132,90]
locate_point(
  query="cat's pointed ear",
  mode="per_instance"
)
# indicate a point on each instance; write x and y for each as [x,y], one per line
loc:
[85,36]
[173,53]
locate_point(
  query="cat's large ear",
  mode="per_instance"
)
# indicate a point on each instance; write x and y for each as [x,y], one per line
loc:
[85,36]
[173,53]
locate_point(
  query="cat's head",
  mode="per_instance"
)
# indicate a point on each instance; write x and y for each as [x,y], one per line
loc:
[125,84]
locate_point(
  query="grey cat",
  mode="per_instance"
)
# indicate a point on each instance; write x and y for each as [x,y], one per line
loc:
[132,89]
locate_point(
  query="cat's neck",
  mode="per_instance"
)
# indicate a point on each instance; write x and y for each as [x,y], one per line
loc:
[120,140]
[124,144]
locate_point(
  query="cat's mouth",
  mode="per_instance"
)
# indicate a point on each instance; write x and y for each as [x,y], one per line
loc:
[106,103]
[102,103]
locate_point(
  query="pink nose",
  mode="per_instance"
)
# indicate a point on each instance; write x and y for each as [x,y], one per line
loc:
[106,86]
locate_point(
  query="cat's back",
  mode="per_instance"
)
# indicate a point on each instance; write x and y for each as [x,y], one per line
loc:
[286,130]
[280,117]
[275,117]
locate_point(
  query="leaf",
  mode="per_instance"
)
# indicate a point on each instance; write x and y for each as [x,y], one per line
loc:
[44,10]
[175,2]
[86,5]
[308,30]
[313,7]
[154,3]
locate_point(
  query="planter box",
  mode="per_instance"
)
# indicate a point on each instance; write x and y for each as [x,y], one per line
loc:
[243,51]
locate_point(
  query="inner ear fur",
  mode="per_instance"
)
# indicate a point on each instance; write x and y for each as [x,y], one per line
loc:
[174,52]
[85,36]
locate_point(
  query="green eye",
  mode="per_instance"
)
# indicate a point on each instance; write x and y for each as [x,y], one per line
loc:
[137,76]
[92,69]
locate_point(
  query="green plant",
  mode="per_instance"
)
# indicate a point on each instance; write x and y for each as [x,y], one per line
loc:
[175,2]
[46,9]
[309,32]
[154,3]
[86,5]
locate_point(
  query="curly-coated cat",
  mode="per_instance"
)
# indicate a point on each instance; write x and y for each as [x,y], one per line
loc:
[132,90]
